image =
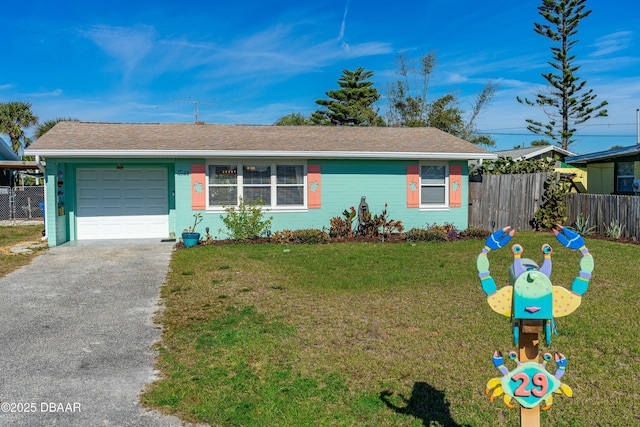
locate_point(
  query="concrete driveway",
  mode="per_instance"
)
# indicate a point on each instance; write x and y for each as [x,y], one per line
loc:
[76,331]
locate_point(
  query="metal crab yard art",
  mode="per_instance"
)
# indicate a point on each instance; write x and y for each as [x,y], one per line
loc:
[531,298]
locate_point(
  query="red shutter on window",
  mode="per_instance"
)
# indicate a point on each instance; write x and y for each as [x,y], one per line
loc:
[455,186]
[413,186]
[198,182]
[314,187]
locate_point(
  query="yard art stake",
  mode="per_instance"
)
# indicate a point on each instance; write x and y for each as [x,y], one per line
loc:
[532,302]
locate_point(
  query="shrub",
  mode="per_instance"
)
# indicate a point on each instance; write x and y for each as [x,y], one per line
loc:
[339,227]
[389,225]
[554,207]
[422,235]
[369,226]
[614,230]
[343,227]
[307,236]
[475,233]
[246,221]
[282,237]
[582,225]
[311,236]
[448,229]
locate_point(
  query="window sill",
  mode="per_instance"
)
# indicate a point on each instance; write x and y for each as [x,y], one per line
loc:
[297,209]
[434,208]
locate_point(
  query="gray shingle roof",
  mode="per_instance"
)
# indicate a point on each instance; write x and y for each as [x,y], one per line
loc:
[605,155]
[529,152]
[180,140]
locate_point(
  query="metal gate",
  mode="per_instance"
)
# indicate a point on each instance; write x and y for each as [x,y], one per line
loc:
[21,202]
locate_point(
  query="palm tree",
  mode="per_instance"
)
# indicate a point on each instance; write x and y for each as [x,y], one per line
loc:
[46,126]
[15,117]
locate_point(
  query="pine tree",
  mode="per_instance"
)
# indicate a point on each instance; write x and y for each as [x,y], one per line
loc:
[352,104]
[567,103]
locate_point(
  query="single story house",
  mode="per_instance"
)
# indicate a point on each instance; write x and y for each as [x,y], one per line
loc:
[611,171]
[121,180]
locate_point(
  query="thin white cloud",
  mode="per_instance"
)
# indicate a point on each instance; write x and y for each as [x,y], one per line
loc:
[612,43]
[344,21]
[281,50]
[127,45]
[6,86]
[53,93]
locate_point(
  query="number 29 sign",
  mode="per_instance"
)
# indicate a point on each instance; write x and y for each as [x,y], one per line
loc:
[530,384]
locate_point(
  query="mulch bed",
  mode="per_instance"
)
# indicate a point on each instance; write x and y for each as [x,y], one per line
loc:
[393,238]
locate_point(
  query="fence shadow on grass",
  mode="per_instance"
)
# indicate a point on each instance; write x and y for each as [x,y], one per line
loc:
[425,403]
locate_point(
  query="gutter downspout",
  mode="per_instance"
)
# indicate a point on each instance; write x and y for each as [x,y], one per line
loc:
[40,165]
[638,124]
[42,169]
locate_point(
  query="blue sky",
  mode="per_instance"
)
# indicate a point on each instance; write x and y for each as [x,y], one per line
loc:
[251,62]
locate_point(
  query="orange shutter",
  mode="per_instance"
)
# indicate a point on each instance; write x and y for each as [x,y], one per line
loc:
[198,182]
[455,186]
[413,186]
[314,188]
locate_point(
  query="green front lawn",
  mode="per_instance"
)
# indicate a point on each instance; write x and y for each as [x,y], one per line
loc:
[10,236]
[381,335]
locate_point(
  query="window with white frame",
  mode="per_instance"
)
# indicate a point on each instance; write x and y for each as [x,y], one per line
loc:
[624,177]
[434,184]
[278,185]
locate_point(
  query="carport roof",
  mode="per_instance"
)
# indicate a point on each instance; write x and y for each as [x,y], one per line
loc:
[81,139]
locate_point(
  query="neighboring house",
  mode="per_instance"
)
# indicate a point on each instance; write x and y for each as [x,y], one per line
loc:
[536,153]
[117,180]
[551,152]
[7,159]
[6,153]
[611,171]
[11,162]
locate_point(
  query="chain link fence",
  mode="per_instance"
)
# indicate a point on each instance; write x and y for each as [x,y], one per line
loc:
[21,203]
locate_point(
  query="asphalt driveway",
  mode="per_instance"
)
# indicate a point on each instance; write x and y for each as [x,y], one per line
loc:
[76,331]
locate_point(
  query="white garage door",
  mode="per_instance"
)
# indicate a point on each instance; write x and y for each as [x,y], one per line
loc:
[122,203]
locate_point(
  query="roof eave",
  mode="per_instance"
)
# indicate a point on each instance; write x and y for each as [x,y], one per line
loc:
[258,154]
[18,164]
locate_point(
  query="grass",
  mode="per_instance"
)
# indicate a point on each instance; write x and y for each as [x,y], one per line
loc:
[10,236]
[380,335]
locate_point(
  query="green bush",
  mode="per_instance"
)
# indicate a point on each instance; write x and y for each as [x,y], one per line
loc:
[343,227]
[614,230]
[422,235]
[450,230]
[246,221]
[554,207]
[339,227]
[475,233]
[307,236]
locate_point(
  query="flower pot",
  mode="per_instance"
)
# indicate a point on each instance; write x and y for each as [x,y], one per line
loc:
[190,239]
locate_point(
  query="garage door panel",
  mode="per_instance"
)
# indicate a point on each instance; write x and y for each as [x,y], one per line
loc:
[110,174]
[87,174]
[110,193]
[122,203]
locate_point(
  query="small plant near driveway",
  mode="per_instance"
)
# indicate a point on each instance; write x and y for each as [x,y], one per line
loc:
[189,236]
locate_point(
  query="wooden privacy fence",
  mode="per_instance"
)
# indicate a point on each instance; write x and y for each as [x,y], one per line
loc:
[506,200]
[603,209]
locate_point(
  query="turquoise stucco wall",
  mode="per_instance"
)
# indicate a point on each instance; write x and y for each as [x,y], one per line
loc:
[343,184]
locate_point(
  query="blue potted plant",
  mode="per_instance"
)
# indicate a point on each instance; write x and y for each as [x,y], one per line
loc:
[189,236]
